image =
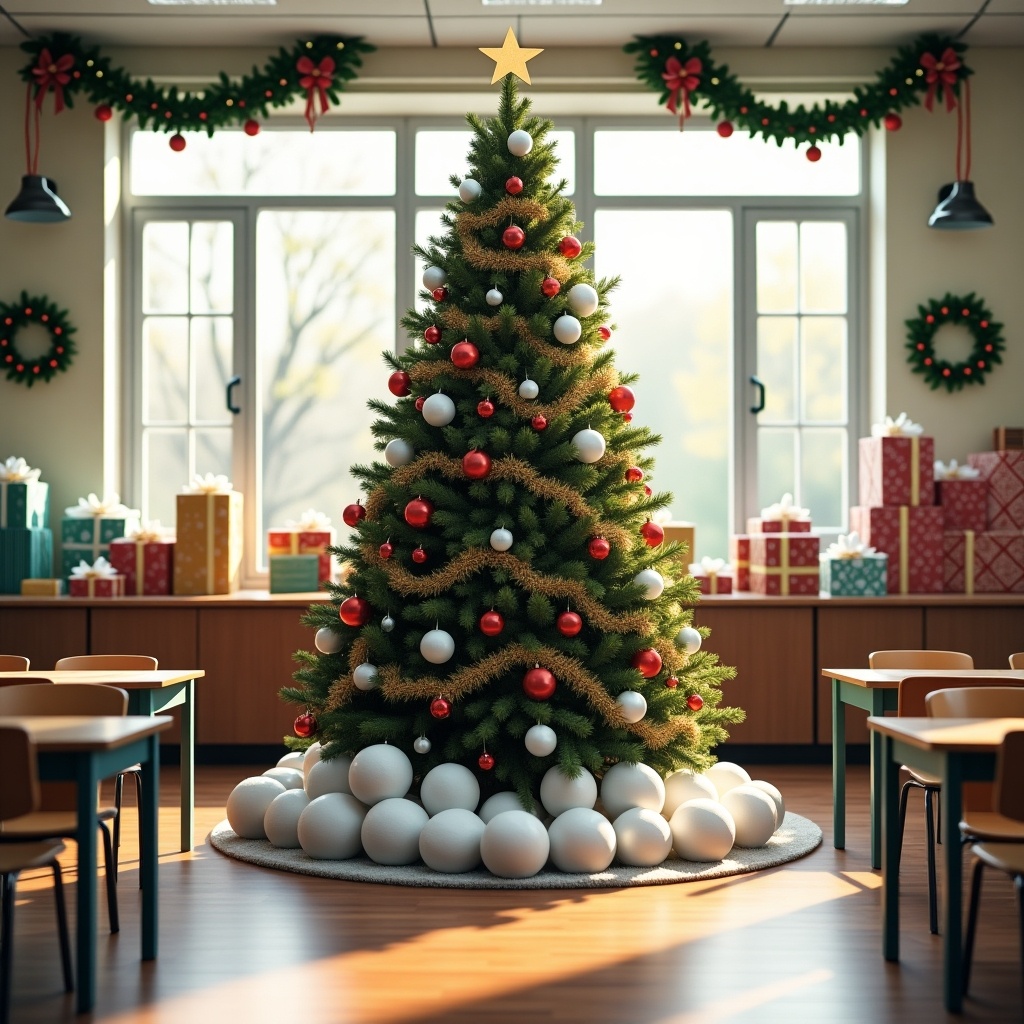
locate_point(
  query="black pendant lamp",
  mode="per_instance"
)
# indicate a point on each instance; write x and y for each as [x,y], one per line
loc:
[958,208]
[37,202]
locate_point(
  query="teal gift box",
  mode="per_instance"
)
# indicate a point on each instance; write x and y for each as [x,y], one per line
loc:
[24,505]
[294,574]
[86,539]
[24,554]
[854,577]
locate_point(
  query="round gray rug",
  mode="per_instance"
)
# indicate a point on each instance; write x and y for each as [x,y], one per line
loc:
[794,839]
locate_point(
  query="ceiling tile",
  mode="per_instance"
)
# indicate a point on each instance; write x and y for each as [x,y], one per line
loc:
[603,31]
[1005,7]
[861,30]
[997,30]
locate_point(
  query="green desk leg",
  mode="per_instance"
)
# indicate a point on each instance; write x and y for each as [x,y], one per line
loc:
[838,767]
[952,896]
[148,855]
[86,782]
[877,709]
[889,771]
[188,740]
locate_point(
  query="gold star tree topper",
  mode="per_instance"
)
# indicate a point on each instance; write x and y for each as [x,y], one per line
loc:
[510,58]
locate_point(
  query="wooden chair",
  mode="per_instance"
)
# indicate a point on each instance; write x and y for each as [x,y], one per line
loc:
[19,795]
[57,817]
[25,681]
[920,660]
[13,663]
[1017,660]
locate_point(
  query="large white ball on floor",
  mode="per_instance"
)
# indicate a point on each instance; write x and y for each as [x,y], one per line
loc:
[365,676]
[753,811]
[329,827]
[290,778]
[780,804]
[248,803]
[437,646]
[329,777]
[589,445]
[434,277]
[685,785]
[514,845]
[378,773]
[391,831]
[688,640]
[652,583]
[311,757]
[702,830]
[438,410]
[633,705]
[583,298]
[501,539]
[450,841]
[281,822]
[725,776]
[529,389]
[567,329]
[498,803]
[293,759]
[541,740]
[582,841]
[398,452]
[494,297]
[469,190]
[643,837]
[559,793]
[631,785]
[520,143]
[327,641]
[449,785]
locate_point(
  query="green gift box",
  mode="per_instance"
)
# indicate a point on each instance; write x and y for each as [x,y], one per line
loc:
[86,539]
[854,577]
[24,554]
[24,505]
[294,574]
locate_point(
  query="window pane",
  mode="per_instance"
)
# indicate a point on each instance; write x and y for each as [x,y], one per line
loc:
[777,262]
[274,163]
[211,367]
[676,332]
[822,267]
[164,471]
[212,269]
[428,223]
[776,464]
[165,267]
[823,369]
[777,338]
[165,369]
[823,477]
[213,451]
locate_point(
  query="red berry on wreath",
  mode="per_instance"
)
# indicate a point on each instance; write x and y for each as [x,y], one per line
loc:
[569,623]
[551,286]
[647,662]
[432,335]
[104,112]
[621,398]
[251,128]
[419,403]
[418,512]
[305,725]
[929,319]
[944,311]
[354,611]
[353,514]
[439,294]
[695,702]
[177,142]
[486,761]
[513,237]
[440,708]
[599,548]
[539,683]
[514,186]
[570,247]
[634,475]
[419,556]
[476,465]
[485,409]
[652,533]
[539,422]
[893,122]
[671,682]
[814,154]
[491,623]
[465,355]
[398,383]
[724,128]
[387,549]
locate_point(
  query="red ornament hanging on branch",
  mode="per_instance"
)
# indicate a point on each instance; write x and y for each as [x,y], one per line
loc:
[432,335]
[418,512]
[353,515]
[440,708]
[399,383]
[486,761]
[492,623]
[251,128]
[104,112]
[569,623]
[550,286]
[354,611]
[514,186]
[305,725]
[419,556]
[621,398]
[465,355]
[652,533]
[539,683]
[599,548]
[695,702]
[647,662]
[387,549]
[177,142]
[570,247]
[476,465]
[513,237]
[485,409]
[539,422]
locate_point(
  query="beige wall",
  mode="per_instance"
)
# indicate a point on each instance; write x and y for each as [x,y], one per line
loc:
[62,426]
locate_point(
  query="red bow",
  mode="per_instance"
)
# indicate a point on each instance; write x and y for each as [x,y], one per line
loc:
[941,72]
[50,73]
[316,79]
[681,80]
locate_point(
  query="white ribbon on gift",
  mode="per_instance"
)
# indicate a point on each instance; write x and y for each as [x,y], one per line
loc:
[954,471]
[849,545]
[209,483]
[784,509]
[100,569]
[108,507]
[148,533]
[708,567]
[310,521]
[17,471]
[663,516]
[902,426]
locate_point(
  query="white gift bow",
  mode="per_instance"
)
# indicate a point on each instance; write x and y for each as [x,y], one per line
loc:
[100,569]
[208,484]
[148,532]
[954,471]
[849,545]
[662,516]
[108,507]
[784,509]
[708,567]
[17,471]
[902,426]
[310,521]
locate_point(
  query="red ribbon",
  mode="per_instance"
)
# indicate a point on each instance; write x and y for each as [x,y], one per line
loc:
[52,74]
[941,73]
[316,80]
[681,79]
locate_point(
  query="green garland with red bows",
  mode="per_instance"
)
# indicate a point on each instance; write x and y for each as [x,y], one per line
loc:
[35,309]
[930,67]
[316,70]
[970,311]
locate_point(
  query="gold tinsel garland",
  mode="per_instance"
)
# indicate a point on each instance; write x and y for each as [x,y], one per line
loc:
[510,261]
[514,207]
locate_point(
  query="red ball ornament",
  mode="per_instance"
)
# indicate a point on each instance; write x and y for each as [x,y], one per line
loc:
[419,556]
[621,398]
[419,403]
[177,142]
[539,683]
[652,533]
[439,294]
[539,423]
[104,112]
[695,702]
[354,611]
[491,623]
[893,122]
[387,549]
[418,512]
[814,154]
[465,355]
[476,465]
[647,490]
[305,725]
[485,409]
[634,475]
[486,761]
[627,417]
[514,186]
[550,286]
[724,128]
[604,333]
[671,682]
[399,383]
[599,548]
[353,514]
[570,247]
[513,237]
[432,335]
[251,128]
[440,708]
[647,662]
[569,623]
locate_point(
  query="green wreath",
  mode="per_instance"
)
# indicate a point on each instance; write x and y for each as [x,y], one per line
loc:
[35,309]
[970,311]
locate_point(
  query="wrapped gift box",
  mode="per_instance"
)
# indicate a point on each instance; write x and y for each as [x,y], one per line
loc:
[294,574]
[42,588]
[739,556]
[912,538]
[854,577]
[24,554]
[208,557]
[964,504]
[24,504]
[989,562]
[88,528]
[312,535]
[684,533]
[784,563]
[759,524]
[96,586]
[713,575]
[1004,472]
[146,561]
[896,471]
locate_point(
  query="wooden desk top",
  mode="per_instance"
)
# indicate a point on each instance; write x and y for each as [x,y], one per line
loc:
[86,732]
[130,680]
[889,678]
[960,735]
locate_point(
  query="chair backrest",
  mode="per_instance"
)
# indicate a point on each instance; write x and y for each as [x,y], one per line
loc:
[13,663]
[65,699]
[1017,660]
[920,659]
[914,689]
[25,681]
[111,662]
[1009,799]
[977,702]
[19,793]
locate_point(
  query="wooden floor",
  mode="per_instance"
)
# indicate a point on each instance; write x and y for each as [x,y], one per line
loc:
[241,945]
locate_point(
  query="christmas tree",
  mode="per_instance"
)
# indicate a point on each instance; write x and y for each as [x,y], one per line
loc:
[511,604]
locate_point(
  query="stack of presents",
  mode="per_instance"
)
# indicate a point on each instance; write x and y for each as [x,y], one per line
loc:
[106,551]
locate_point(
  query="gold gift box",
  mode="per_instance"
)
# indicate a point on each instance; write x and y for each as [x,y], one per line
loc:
[684,532]
[42,588]
[208,556]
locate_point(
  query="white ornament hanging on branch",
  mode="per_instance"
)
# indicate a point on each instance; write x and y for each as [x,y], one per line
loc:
[434,277]
[652,582]
[567,329]
[529,389]
[327,641]
[469,190]
[589,445]
[437,646]
[520,142]
[494,297]
[439,410]
[398,452]
[688,640]
[583,298]
[633,705]
[541,740]
[365,676]
[501,539]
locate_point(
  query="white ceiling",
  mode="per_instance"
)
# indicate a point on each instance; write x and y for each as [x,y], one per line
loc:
[463,23]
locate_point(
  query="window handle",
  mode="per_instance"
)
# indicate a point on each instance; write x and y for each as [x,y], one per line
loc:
[232,384]
[759,384]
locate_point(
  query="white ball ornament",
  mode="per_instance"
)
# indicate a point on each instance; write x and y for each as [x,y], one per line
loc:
[438,410]
[329,827]
[725,776]
[499,803]
[327,641]
[567,329]
[364,676]
[311,757]
[450,841]
[780,804]
[685,785]
[582,841]
[515,844]
[293,759]
[398,452]
[633,705]
[642,837]
[753,811]
[631,785]
[248,803]
[421,745]
[290,778]
[529,389]
[652,582]
[501,539]
[434,277]
[558,792]
[702,830]
[688,640]
[387,623]
[494,297]
[589,445]
[379,772]
[520,143]
[329,777]
[391,831]
[437,646]
[541,740]
[469,190]
[449,785]
[583,298]
[281,822]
